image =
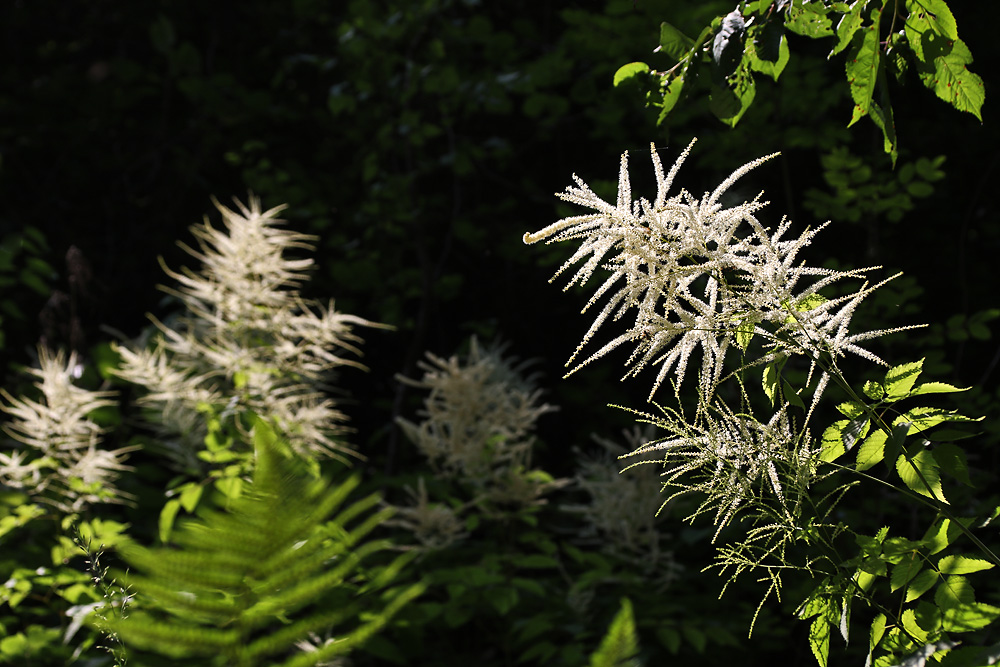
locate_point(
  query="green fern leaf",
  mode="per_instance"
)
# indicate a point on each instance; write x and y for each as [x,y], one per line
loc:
[247,585]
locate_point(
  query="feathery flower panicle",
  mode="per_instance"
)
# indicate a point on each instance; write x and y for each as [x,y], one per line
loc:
[247,339]
[624,509]
[60,461]
[734,460]
[477,422]
[435,525]
[699,275]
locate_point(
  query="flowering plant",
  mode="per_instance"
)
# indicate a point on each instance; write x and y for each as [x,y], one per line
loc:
[701,275]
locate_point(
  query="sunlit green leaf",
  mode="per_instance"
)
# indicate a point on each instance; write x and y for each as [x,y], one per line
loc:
[922,583]
[768,52]
[920,473]
[909,622]
[819,639]
[899,380]
[673,42]
[809,19]
[958,564]
[936,13]
[848,25]
[871,451]
[903,572]
[935,388]
[954,83]
[863,63]
[629,71]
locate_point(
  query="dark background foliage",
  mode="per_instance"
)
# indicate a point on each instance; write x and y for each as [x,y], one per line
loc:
[419,139]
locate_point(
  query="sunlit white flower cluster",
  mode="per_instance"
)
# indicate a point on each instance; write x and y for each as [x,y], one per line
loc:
[60,460]
[732,459]
[247,339]
[700,275]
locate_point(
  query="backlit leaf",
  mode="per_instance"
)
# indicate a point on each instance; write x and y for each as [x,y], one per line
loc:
[809,19]
[920,473]
[922,583]
[862,70]
[871,451]
[899,380]
[958,564]
[630,71]
[673,42]
[937,14]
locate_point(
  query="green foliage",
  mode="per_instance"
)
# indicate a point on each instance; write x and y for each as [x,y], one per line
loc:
[244,585]
[860,193]
[768,480]
[620,646]
[753,39]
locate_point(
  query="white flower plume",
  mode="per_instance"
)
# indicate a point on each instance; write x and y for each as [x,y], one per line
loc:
[61,461]
[247,339]
[699,275]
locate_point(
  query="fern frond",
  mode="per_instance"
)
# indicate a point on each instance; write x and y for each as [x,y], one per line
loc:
[253,582]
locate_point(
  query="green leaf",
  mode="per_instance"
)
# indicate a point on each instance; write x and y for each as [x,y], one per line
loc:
[871,451]
[502,599]
[744,332]
[670,638]
[958,564]
[671,94]
[899,380]
[856,429]
[954,592]
[620,645]
[629,71]
[909,622]
[808,303]
[873,390]
[730,102]
[942,533]
[792,396]
[881,115]
[695,637]
[832,443]
[903,572]
[954,83]
[920,473]
[819,639]
[769,381]
[922,583]
[167,516]
[875,636]
[851,409]
[190,495]
[936,388]
[674,43]
[848,25]
[923,418]
[975,616]
[863,64]
[809,19]
[937,15]
[768,50]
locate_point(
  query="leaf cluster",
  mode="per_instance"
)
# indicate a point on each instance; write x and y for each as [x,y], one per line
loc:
[878,39]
